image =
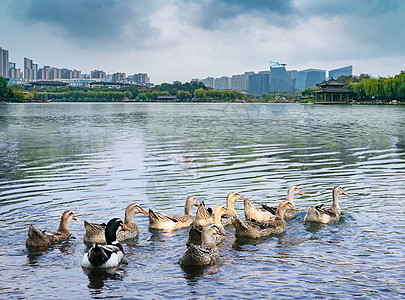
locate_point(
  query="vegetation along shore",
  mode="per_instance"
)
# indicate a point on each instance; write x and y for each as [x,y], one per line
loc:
[365,90]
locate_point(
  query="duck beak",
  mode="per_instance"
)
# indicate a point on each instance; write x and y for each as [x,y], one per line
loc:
[221,233]
[125,227]
[196,203]
[301,193]
[344,193]
[74,218]
[142,211]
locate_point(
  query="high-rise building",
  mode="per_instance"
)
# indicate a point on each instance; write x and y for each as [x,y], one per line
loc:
[209,82]
[345,71]
[141,78]
[4,62]
[30,69]
[118,77]
[309,78]
[259,83]
[98,74]
[223,83]
[279,79]
[240,83]
[13,72]
[293,75]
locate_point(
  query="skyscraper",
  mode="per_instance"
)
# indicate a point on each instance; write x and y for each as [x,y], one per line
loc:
[259,83]
[3,62]
[345,71]
[30,69]
[309,78]
[279,79]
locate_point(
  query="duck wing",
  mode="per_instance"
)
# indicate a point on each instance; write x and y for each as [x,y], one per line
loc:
[328,211]
[162,217]
[270,209]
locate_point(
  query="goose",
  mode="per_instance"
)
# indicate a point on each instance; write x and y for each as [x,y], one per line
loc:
[110,255]
[42,238]
[95,233]
[321,215]
[160,221]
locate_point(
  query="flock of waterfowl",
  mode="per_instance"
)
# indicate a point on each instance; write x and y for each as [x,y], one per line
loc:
[207,228]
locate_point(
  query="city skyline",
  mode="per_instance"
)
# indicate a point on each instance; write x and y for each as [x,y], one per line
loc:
[182,40]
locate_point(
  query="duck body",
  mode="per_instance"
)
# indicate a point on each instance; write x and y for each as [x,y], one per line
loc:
[257,229]
[205,254]
[289,213]
[110,255]
[257,214]
[42,238]
[325,216]
[195,233]
[164,222]
[95,233]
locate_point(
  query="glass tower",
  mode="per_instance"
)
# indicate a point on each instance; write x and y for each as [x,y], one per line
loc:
[279,79]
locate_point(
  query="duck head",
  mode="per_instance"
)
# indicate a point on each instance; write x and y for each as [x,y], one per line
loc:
[209,232]
[337,190]
[294,190]
[190,202]
[111,229]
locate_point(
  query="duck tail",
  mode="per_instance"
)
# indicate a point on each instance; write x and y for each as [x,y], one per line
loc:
[237,222]
[98,255]
[34,233]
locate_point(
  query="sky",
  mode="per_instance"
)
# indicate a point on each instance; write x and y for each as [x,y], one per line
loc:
[186,39]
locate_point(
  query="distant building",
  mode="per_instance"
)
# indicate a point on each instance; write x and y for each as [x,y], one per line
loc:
[332,91]
[279,79]
[105,84]
[240,83]
[4,63]
[259,83]
[48,83]
[30,69]
[209,82]
[13,72]
[223,83]
[293,75]
[309,78]
[345,71]
[98,74]
[118,77]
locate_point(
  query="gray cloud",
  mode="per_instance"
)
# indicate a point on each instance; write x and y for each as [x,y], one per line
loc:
[210,13]
[89,20]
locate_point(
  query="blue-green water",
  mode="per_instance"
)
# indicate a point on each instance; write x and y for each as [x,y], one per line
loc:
[96,158]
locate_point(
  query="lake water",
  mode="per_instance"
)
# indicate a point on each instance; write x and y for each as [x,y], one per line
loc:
[96,158]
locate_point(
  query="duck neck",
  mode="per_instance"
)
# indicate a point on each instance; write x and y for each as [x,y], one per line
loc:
[63,225]
[290,196]
[230,206]
[280,212]
[188,208]
[129,217]
[217,219]
[335,202]
[110,235]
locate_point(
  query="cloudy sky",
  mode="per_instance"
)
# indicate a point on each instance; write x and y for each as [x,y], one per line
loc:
[185,39]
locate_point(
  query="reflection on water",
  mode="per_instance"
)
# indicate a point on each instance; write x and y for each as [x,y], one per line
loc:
[96,158]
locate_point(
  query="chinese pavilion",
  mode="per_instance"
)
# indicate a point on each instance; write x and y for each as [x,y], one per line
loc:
[332,91]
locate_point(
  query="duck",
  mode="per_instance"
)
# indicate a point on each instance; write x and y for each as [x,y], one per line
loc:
[226,219]
[255,229]
[160,221]
[110,255]
[289,213]
[95,233]
[195,233]
[325,216]
[42,238]
[205,254]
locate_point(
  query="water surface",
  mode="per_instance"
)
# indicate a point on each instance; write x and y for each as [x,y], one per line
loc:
[96,158]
